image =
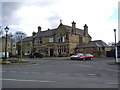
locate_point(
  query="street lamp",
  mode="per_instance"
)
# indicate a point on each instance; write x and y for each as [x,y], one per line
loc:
[6,30]
[116,54]
[10,35]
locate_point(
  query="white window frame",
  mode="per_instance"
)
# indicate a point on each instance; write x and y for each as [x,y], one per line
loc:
[51,40]
[61,39]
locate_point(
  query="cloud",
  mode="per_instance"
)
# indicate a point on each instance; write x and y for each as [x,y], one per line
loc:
[54,20]
[99,15]
[26,15]
[9,9]
[9,12]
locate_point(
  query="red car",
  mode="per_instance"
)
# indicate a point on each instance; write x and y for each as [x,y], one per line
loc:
[85,57]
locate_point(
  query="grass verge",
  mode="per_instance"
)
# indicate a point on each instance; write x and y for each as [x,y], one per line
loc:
[16,61]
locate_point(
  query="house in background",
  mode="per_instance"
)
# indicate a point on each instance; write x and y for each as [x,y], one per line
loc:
[27,45]
[11,46]
[98,48]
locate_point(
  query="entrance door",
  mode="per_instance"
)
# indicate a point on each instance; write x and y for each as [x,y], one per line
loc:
[51,52]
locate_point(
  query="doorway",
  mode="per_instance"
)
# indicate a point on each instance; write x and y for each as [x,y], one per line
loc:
[51,52]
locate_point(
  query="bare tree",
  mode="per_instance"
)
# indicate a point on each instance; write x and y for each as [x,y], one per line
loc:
[18,37]
[111,44]
[1,31]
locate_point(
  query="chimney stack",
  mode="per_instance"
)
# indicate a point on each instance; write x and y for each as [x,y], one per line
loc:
[48,29]
[33,34]
[73,27]
[39,29]
[85,30]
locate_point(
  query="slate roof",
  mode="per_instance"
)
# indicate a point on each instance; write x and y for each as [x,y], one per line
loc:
[78,31]
[96,43]
[26,39]
[53,31]
[101,43]
[45,33]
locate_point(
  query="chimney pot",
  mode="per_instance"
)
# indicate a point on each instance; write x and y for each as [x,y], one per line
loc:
[39,29]
[73,27]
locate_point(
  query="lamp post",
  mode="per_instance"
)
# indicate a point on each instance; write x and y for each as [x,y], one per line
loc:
[116,54]
[6,30]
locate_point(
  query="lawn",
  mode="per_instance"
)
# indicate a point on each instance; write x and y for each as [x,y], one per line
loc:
[18,61]
[15,60]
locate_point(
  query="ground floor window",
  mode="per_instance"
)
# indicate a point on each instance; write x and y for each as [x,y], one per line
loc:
[61,49]
[27,52]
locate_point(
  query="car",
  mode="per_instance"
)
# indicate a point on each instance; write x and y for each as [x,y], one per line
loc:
[85,57]
[75,56]
[35,55]
[118,56]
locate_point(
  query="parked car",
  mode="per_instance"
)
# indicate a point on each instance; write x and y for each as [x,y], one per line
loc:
[35,55]
[75,56]
[85,57]
[81,56]
[118,56]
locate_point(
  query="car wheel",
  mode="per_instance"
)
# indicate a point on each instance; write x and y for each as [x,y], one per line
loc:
[83,59]
[91,58]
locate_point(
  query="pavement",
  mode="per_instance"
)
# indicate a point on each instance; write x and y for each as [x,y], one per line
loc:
[33,60]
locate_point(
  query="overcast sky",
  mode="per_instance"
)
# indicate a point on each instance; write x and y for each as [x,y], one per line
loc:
[101,16]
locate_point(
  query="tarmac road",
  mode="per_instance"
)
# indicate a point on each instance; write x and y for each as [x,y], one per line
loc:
[62,73]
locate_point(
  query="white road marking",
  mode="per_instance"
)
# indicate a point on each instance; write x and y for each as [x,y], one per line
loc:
[113,83]
[36,72]
[49,73]
[109,69]
[63,73]
[21,80]
[77,74]
[82,65]
[24,72]
[13,71]
[91,74]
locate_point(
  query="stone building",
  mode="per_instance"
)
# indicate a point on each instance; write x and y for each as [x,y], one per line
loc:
[11,46]
[98,48]
[60,41]
[64,41]
[27,45]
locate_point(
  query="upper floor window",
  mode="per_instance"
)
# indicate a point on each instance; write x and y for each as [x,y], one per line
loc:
[50,39]
[80,39]
[38,41]
[61,39]
[14,45]
[28,44]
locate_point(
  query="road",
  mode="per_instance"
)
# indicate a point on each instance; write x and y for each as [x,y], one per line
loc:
[61,73]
